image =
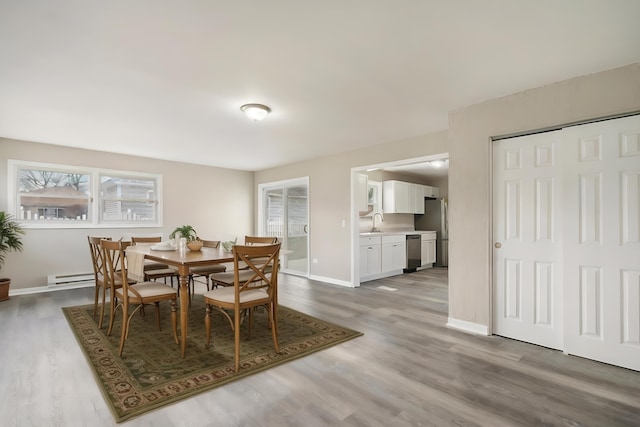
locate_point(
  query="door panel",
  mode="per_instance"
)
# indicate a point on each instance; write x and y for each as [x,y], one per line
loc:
[567,217]
[602,248]
[284,209]
[527,285]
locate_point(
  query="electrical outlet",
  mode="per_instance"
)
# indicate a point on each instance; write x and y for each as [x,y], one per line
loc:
[315,260]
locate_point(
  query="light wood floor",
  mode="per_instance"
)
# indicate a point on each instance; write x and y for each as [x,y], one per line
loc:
[408,369]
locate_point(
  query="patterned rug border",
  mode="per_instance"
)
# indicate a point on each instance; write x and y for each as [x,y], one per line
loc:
[244,372]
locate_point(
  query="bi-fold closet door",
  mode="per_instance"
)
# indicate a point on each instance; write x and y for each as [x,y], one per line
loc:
[566,229]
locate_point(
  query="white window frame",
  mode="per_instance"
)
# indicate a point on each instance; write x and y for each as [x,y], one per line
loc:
[94,218]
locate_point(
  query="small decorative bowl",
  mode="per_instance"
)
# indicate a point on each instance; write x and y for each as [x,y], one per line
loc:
[195,245]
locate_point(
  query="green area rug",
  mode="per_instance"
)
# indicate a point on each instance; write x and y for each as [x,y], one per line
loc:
[151,374]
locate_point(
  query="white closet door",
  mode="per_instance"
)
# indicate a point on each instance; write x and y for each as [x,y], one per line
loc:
[527,240]
[602,241]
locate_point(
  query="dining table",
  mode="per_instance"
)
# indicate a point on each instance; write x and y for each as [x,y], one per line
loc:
[183,260]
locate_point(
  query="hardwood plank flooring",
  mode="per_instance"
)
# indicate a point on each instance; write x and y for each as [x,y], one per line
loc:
[408,369]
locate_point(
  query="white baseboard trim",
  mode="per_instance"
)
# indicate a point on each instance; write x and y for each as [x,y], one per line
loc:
[470,327]
[42,289]
[331,280]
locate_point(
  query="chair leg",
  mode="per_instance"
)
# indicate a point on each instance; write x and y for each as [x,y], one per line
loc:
[158,315]
[124,330]
[207,325]
[126,323]
[95,304]
[250,322]
[236,333]
[112,315]
[174,320]
[104,291]
[274,326]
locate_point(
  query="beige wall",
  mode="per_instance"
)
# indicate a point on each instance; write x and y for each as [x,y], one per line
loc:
[470,247]
[217,202]
[330,197]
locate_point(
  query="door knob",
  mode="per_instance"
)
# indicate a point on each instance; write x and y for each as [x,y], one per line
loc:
[498,245]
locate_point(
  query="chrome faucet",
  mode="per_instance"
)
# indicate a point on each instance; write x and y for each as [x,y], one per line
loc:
[373,228]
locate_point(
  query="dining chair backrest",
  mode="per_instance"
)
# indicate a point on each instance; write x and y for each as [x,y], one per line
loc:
[155,239]
[96,257]
[211,243]
[262,263]
[252,240]
[115,263]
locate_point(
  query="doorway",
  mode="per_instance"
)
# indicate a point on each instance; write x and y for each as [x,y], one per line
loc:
[284,213]
[424,170]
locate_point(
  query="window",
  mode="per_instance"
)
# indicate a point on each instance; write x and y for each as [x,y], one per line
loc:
[57,196]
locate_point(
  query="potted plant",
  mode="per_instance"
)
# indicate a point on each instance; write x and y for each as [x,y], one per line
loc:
[189,233]
[10,239]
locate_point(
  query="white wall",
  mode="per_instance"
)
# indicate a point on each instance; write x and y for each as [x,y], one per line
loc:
[470,247]
[217,202]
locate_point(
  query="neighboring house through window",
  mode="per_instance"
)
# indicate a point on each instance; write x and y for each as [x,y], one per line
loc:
[58,196]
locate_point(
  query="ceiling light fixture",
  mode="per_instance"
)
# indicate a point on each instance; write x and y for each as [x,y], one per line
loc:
[438,163]
[255,112]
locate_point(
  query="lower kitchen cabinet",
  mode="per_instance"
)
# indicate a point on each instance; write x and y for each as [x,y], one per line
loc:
[394,253]
[370,256]
[382,256]
[369,260]
[428,249]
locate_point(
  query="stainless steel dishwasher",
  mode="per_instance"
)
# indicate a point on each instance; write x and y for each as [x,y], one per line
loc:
[413,252]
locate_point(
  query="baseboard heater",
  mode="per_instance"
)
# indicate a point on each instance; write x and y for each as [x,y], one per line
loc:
[69,279]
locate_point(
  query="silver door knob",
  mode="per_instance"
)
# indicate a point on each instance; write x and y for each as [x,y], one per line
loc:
[498,245]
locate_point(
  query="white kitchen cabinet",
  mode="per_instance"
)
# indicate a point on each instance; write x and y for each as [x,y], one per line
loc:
[405,197]
[396,197]
[382,256]
[394,253]
[433,192]
[428,249]
[369,257]
[362,193]
[374,198]
[418,198]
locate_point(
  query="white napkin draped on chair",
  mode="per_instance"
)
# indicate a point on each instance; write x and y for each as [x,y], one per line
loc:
[135,265]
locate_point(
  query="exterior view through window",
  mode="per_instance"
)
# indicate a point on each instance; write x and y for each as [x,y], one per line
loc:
[57,196]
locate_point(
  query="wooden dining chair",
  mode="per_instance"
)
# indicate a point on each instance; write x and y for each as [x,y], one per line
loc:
[226,278]
[97,260]
[205,270]
[156,270]
[122,265]
[259,288]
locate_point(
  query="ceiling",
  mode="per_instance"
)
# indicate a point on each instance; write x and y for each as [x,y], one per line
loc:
[166,79]
[420,170]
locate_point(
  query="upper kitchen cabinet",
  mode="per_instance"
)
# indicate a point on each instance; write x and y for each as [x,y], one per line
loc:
[433,192]
[362,193]
[397,197]
[404,197]
[417,191]
[374,199]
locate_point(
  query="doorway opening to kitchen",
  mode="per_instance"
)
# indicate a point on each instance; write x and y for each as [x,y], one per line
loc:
[384,217]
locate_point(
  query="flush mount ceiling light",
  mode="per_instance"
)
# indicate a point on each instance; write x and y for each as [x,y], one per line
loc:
[438,163]
[255,112]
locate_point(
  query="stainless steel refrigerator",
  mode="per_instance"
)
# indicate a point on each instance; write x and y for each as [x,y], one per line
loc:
[435,219]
